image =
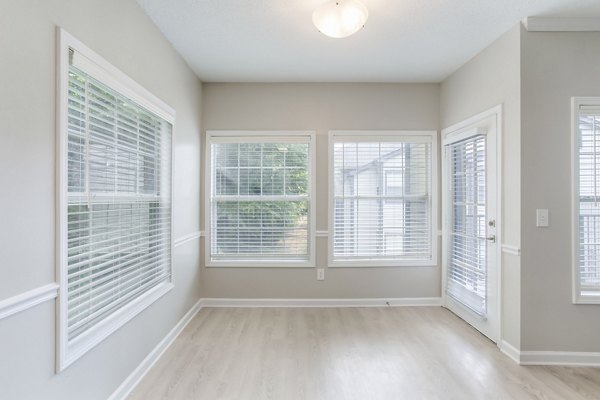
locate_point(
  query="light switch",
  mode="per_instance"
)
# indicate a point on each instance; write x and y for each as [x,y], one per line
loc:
[541,218]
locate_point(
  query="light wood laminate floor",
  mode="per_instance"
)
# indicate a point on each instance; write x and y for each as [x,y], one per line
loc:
[348,353]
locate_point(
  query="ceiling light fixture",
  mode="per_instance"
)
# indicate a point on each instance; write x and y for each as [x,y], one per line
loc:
[340,18]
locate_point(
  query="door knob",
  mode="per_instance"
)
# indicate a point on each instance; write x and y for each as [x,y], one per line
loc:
[491,238]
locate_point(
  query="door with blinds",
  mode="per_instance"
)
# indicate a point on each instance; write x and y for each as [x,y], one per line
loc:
[470,225]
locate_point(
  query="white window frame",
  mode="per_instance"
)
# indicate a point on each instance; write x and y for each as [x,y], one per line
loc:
[432,261]
[106,73]
[253,136]
[576,103]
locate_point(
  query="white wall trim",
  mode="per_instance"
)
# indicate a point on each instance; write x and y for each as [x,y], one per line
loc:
[574,358]
[147,363]
[187,238]
[26,300]
[510,249]
[293,303]
[496,110]
[562,24]
[511,351]
[565,358]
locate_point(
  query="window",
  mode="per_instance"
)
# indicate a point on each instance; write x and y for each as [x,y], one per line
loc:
[115,199]
[382,198]
[260,210]
[586,206]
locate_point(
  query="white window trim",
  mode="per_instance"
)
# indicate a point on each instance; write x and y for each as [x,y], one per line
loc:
[222,136]
[576,102]
[375,136]
[107,73]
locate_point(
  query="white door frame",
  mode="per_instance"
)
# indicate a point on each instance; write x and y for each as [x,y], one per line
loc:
[453,131]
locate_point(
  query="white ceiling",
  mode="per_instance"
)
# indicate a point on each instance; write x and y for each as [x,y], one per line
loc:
[403,40]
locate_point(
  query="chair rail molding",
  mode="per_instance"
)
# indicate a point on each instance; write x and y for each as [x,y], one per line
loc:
[26,300]
[187,238]
[510,249]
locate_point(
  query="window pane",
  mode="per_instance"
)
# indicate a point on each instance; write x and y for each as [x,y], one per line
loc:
[267,221]
[272,181]
[296,181]
[250,154]
[382,207]
[257,228]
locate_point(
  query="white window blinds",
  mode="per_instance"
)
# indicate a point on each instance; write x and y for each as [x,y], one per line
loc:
[588,197]
[467,262]
[382,198]
[119,202]
[260,199]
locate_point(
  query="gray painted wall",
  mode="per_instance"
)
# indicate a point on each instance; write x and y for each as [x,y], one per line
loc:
[556,66]
[321,107]
[120,32]
[493,77]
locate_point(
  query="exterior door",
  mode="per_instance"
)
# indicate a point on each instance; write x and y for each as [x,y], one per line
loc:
[471,226]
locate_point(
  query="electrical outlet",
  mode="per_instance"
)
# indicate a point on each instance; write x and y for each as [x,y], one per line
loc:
[320,274]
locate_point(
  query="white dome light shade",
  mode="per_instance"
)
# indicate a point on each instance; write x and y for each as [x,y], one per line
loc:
[340,18]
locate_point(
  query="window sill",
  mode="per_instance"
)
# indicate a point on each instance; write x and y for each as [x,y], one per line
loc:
[587,299]
[81,345]
[381,263]
[260,264]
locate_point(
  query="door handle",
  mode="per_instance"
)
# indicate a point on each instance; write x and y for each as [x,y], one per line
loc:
[491,238]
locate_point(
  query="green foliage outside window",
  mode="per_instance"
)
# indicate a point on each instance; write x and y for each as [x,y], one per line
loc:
[248,222]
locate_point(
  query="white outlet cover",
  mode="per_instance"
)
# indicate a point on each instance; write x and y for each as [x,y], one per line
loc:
[320,274]
[542,218]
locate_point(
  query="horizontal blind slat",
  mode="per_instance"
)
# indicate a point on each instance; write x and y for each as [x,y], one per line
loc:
[113,305]
[101,295]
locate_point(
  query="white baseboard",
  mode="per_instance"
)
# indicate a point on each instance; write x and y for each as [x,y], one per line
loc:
[511,351]
[24,301]
[566,358]
[142,369]
[382,302]
[574,358]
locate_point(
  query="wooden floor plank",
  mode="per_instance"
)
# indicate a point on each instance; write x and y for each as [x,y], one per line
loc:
[348,353]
